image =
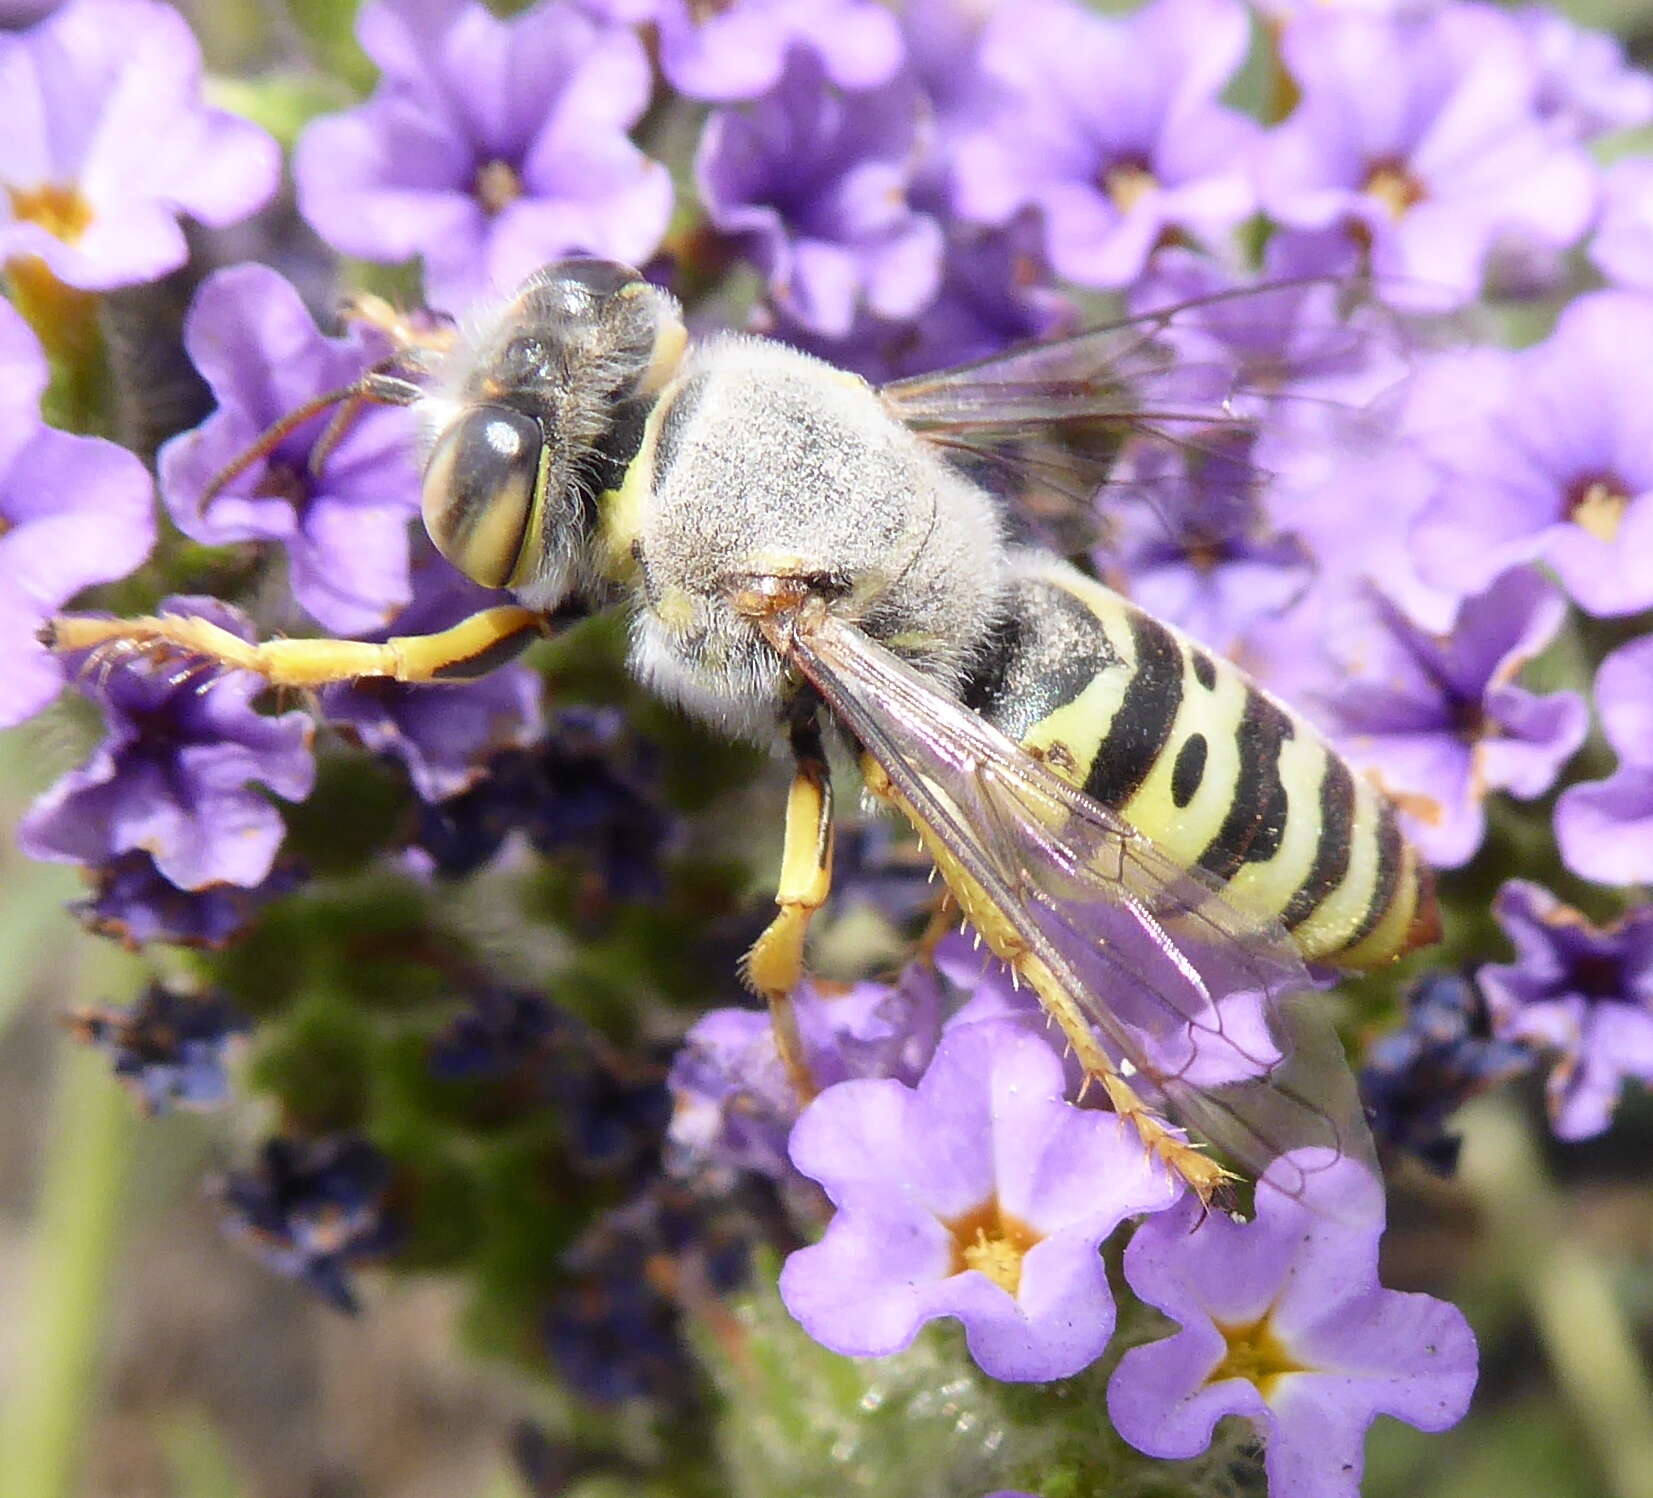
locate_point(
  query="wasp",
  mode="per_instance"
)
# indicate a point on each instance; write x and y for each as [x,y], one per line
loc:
[1150,840]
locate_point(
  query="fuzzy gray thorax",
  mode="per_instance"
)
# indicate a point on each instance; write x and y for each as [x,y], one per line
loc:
[770,462]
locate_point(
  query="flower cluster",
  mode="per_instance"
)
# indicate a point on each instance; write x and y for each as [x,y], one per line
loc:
[1441,552]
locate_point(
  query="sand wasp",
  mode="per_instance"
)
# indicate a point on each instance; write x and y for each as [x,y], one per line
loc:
[1150,839]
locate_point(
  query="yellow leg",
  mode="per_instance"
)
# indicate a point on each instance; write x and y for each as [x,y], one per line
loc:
[470,648]
[775,965]
[1163,1140]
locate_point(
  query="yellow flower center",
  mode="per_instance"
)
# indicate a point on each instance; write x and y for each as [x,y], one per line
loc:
[989,1239]
[1598,507]
[1254,1354]
[61,211]
[1127,184]
[1394,187]
[497,186]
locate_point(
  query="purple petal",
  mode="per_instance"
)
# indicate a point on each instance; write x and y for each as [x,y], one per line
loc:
[1604,828]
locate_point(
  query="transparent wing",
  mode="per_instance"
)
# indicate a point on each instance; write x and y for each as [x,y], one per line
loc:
[1164,407]
[1212,1007]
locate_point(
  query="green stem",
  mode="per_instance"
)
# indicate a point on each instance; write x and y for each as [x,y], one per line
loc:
[45,1414]
[1569,1295]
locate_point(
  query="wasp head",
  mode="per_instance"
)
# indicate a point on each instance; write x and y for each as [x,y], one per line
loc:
[537,413]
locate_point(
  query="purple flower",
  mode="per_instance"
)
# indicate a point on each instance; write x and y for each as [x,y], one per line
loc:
[490,147]
[739,50]
[981,1194]
[312,1209]
[1418,1076]
[170,1049]
[74,511]
[445,733]
[813,183]
[1586,86]
[107,143]
[1440,720]
[134,903]
[1112,129]
[733,1103]
[1284,1323]
[1581,992]
[343,520]
[1545,455]
[174,778]
[1421,138]
[1605,827]
[1623,245]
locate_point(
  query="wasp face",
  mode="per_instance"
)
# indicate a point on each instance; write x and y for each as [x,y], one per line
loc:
[528,423]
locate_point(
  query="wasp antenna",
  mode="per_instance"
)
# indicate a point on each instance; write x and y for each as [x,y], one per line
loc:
[376,386]
[333,433]
[270,438]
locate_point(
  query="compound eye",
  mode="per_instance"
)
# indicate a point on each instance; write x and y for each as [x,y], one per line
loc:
[479,491]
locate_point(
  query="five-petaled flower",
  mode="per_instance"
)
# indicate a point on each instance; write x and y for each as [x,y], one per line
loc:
[1284,1323]
[1543,456]
[980,1194]
[1112,129]
[341,510]
[1419,138]
[490,147]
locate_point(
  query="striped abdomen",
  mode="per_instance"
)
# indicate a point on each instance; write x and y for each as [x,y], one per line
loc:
[1208,765]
